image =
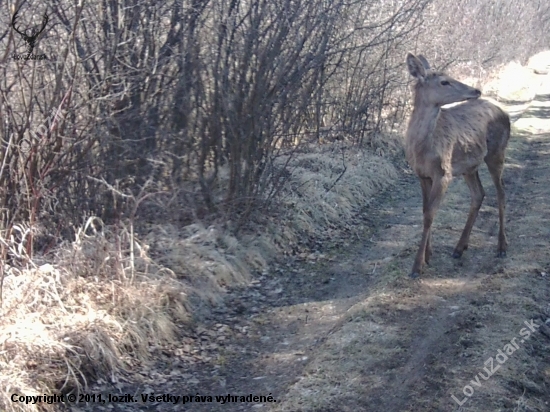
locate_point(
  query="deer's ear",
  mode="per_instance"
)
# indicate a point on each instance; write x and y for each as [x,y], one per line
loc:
[424,62]
[416,68]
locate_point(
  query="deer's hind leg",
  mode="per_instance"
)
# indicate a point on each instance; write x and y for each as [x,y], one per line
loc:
[497,140]
[477,194]
[496,166]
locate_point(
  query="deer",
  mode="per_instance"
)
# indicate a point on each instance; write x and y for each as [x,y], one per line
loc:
[444,142]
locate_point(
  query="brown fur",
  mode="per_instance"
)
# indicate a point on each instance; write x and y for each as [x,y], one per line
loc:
[442,143]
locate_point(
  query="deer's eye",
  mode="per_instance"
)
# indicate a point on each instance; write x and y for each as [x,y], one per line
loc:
[445,83]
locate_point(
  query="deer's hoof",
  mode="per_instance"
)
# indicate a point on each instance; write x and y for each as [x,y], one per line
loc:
[414,275]
[501,254]
[456,254]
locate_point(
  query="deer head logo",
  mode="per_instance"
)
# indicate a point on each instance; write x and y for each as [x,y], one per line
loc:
[30,38]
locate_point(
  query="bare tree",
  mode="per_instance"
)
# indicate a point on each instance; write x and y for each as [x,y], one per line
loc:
[201,97]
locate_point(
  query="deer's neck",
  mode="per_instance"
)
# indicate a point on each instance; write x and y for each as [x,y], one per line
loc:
[423,122]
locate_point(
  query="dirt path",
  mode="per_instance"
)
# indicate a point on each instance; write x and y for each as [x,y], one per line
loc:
[411,346]
[346,330]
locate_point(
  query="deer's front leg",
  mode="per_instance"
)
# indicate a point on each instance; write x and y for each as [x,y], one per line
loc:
[426,185]
[431,197]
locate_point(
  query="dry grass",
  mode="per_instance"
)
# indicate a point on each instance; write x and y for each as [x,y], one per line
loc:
[328,185]
[96,309]
[81,318]
[99,305]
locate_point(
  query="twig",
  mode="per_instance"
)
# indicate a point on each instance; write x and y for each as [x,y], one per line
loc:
[341,174]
